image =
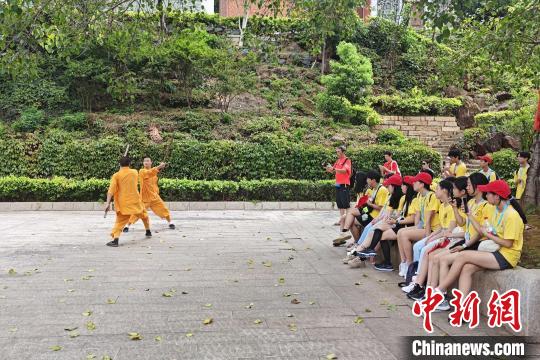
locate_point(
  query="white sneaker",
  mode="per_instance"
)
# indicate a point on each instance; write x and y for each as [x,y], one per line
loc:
[403,269]
[407,289]
[348,258]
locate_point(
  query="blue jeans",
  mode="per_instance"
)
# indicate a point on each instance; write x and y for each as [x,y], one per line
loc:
[365,233]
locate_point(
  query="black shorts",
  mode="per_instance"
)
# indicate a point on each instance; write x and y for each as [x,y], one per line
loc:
[399,226]
[364,222]
[503,263]
[343,197]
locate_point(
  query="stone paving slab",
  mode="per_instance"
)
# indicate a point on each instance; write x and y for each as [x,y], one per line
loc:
[241,268]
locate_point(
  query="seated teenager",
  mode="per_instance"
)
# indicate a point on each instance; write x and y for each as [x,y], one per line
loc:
[504,230]
[479,209]
[437,241]
[360,184]
[428,207]
[377,198]
[386,218]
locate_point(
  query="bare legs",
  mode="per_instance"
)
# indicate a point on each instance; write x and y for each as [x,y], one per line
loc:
[459,269]
[405,239]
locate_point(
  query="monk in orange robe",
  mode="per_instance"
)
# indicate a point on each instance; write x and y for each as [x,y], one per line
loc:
[148,178]
[127,201]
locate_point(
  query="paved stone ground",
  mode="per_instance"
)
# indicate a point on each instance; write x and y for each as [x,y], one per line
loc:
[223,261]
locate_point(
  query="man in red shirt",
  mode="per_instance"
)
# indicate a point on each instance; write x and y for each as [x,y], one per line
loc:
[343,169]
[390,167]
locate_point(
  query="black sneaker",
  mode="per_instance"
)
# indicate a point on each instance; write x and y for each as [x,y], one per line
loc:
[416,288]
[384,267]
[148,233]
[126,229]
[367,253]
[418,294]
[113,243]
[171,226]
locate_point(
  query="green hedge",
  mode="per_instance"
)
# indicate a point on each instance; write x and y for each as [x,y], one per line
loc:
[61,155]
[61,189]
[417,105]
[505,163]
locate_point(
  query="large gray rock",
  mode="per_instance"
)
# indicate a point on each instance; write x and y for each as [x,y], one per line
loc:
[527,281]
[465,114]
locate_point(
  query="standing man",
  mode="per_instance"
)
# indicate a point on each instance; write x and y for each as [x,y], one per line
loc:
[150,193]
[127,201]
[342,169]
[457,167]
[520,176]
[485,170]
[390,167]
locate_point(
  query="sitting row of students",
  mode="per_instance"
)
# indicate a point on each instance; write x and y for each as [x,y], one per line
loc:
[465,225]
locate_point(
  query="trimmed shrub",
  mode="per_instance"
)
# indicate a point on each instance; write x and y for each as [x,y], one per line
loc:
[30,120]
[493,118]
[364,115]
[71,122]
[517,123]
[416,105]
[58,154]
[351,76]
[391,136]
[473,136]
[337,107]
[61,189]
[505,163]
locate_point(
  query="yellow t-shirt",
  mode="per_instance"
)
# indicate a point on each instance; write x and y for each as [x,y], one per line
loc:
[410,208]
[509,228]
[482,210]
[490,174]
[521,174]
[149,184]
[429,202]
[381,197]
[446,215]
[459,170]
[123,188]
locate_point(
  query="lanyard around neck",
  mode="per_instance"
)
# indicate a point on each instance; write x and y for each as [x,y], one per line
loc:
[502,213]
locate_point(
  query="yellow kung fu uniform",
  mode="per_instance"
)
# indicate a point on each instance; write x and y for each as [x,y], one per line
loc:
[150,194]
[127,202]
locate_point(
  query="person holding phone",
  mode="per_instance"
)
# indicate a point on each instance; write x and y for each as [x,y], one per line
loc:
[342,169]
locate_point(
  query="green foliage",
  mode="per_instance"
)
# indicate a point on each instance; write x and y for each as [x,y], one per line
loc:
[415,105]
[16,96]
[337,107]
[517,123]
[391,137]
[260,125]
[505,163]
[234,74]
[30,120]
[351,76]
[60,154]
[364,115]
[14,188]
[473,136]
[71,122]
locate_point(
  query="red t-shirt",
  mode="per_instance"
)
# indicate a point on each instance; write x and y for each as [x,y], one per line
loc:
[343,178]
[392,166]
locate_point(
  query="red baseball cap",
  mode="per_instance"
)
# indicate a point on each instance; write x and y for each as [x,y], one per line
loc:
[486,158]
[499,187]
[408,180]
[424,177]
[393,180]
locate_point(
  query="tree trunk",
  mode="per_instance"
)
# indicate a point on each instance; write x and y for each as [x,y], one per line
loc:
[242,26]
[323,58]
[532,191]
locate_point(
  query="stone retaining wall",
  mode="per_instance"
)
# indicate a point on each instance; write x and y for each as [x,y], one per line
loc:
[435,131]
